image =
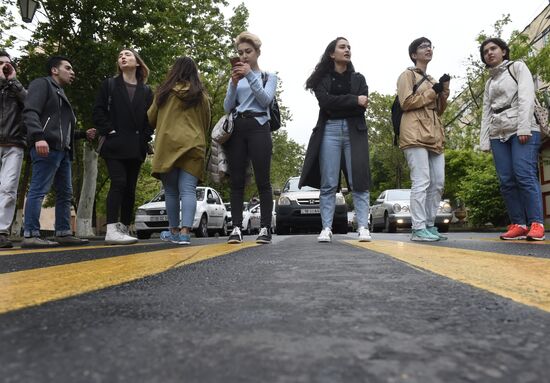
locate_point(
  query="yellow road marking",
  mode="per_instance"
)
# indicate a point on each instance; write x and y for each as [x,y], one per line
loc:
[545,242]
[64,248]
[523,279]
[33,287]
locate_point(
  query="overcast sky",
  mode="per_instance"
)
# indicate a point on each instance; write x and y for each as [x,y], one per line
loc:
[295,33]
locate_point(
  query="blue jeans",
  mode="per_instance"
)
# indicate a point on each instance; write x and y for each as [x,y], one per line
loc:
[427,170]
[335,141]
[54,169]
[516,166]
[181,196]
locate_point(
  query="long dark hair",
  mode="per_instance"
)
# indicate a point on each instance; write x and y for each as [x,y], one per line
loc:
[325,65]
[184,70]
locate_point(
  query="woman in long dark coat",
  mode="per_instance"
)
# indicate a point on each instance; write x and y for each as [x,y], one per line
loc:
[339,141]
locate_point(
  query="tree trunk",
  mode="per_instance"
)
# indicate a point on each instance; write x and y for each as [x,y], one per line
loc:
[86,202]
[22,192]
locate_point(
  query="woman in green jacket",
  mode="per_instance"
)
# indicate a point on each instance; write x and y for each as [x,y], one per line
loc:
[180,115]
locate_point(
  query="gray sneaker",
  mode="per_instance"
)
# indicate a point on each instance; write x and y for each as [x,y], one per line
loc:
[435,231]
[71,240]
[423,235]
[5,242]
[37,242]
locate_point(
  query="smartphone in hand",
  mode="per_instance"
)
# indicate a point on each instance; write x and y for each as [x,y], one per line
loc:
[234,60]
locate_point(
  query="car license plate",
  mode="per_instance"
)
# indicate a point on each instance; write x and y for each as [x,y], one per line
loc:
[310,211]
[159,218]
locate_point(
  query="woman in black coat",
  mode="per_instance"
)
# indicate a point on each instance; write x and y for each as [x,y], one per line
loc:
[339,141]
[120,116]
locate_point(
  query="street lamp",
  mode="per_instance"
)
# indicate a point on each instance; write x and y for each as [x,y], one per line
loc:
[27,8]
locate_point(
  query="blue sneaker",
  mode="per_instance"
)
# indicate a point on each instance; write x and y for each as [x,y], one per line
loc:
[183,239]
[423,235]
[435,231]
[168,236]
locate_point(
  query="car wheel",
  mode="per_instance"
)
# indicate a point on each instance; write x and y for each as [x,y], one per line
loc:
[223,231]
[202,230]
[371,226]
[443,228]
[248,230]
[143,234]
[388,226]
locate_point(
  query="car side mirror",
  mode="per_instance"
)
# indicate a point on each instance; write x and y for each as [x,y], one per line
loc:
[277,191]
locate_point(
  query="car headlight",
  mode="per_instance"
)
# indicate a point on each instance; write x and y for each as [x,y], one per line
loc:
[340,200]
[396,208]
[284,201]
[446,207]
[141,212]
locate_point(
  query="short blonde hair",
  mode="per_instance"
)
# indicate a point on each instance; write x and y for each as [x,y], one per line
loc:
[247,37]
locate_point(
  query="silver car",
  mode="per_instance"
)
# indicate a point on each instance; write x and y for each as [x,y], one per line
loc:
[391,210]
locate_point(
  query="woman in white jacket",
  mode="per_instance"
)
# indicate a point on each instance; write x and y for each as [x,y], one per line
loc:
[510,131]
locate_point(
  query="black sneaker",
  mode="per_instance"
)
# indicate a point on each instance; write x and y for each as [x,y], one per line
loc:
[265,235]
[71,240]
[5,243]
[236,236]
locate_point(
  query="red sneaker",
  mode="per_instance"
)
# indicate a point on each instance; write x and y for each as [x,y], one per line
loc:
[515,231]
[536,233]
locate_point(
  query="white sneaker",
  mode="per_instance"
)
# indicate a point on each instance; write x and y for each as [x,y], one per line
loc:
[116,235]
[364,234]
[325,236]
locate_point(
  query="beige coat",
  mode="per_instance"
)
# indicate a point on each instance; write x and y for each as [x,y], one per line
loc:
[180,134]
[421,124]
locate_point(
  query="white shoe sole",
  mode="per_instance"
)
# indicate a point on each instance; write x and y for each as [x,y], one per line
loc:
[122,242]
[365,239]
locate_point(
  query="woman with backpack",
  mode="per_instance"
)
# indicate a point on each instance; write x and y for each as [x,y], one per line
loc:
[120,116]
[422,138]
[180,115]
[339,141]
[510,131]
[249,95]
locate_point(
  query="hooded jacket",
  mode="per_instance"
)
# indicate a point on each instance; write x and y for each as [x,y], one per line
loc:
[180,133]
[516,102]
[12,132]
[421,123]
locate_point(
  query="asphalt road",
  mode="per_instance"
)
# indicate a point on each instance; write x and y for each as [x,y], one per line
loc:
[470,309]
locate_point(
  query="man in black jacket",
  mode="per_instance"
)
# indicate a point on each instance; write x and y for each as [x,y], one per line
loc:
[12,143]
[50,123]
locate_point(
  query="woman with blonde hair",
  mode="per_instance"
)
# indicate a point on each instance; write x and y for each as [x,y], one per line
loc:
[249,95]
[180,115]
[120,116]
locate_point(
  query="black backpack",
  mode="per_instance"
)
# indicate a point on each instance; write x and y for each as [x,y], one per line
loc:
[397,112]
[274,112]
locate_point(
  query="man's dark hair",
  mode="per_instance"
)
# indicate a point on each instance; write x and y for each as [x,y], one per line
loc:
[54,62]
[5,54]
[415,44]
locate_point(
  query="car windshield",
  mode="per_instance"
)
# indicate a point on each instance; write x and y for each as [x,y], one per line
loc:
[398,195]
[292,186]
[159,197]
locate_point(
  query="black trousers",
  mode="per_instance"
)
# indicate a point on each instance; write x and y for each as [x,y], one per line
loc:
[122,194]
[250,141]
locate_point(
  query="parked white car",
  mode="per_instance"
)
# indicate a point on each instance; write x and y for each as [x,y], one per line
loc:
[210,216]
[251,220]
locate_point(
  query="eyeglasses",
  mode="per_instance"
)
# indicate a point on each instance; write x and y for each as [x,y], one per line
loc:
[426,46]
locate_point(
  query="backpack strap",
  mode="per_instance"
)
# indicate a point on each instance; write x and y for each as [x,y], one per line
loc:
[511,64]
[417,85]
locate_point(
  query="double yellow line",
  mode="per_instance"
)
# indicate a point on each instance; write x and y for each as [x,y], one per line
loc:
[33,287]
